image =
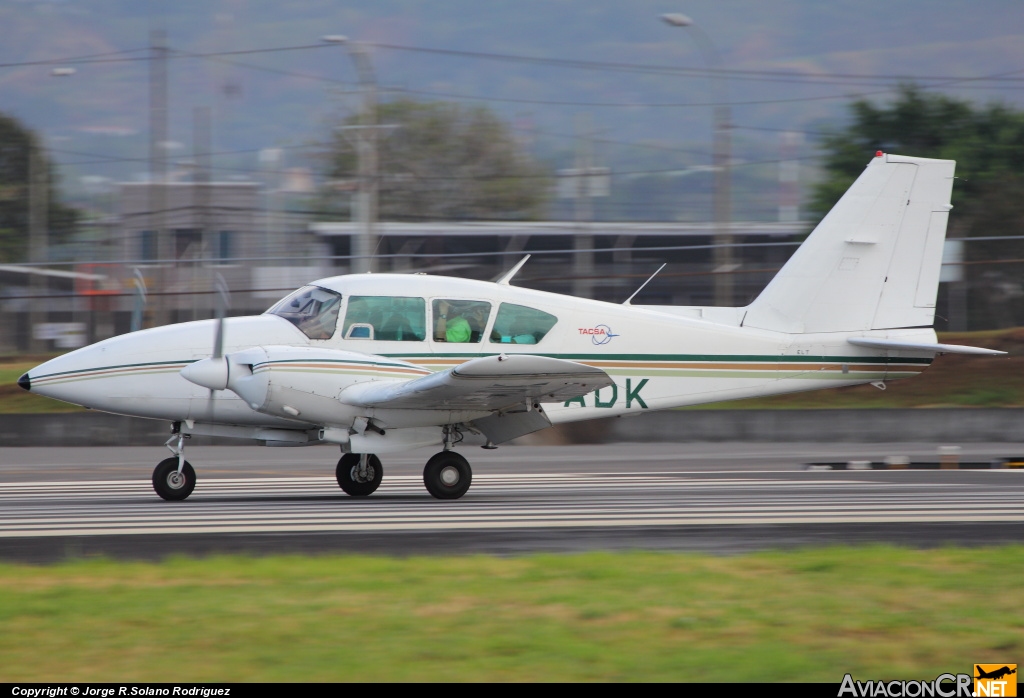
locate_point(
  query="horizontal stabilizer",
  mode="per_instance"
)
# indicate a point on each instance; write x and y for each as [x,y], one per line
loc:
[895,344]
[485,383]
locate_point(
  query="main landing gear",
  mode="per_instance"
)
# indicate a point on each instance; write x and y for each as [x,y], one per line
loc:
[174,479]
[447,474]
[359,474]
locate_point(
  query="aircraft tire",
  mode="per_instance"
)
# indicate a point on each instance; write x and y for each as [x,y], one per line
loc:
[347,473]
[447,475]
[171,486]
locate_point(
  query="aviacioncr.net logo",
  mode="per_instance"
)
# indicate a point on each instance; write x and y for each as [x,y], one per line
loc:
[992,680]
[943,686]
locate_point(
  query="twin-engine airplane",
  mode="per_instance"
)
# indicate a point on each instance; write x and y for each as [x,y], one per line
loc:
[386,363]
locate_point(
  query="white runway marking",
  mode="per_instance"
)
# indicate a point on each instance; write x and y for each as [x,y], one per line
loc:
[503,501]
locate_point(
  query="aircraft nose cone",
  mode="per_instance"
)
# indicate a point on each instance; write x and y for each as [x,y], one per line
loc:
[25,382]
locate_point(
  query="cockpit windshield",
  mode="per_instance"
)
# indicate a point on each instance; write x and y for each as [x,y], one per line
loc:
[312,309]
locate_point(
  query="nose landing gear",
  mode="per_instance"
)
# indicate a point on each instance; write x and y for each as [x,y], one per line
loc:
[174,478]
[171,484]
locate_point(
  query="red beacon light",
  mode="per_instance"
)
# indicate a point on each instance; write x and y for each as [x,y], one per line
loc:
[878,153]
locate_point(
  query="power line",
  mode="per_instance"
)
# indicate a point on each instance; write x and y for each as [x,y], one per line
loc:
[400,255]
[625,105]
[666,69]
[781,130]
[495,253]
[219,58]
[105,57]
[90,58]
[583,64]
[103,159]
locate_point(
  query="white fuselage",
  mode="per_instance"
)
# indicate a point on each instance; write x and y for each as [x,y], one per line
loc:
[658,358]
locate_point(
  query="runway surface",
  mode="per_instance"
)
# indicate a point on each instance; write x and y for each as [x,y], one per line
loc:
[56,503]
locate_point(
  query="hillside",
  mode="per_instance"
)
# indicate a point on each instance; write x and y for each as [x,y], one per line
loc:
[97,120]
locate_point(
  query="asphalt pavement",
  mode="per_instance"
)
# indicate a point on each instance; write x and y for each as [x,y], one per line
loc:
[57,503]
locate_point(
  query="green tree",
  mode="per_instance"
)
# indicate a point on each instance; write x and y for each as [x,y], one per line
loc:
[16,145]
[445,162]
[987,143]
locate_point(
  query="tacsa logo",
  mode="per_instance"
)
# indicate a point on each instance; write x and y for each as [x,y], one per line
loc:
[599,334]
[995,680]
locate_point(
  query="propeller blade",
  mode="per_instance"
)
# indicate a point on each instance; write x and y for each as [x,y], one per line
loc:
[140,301]
[213,372]
[222,303]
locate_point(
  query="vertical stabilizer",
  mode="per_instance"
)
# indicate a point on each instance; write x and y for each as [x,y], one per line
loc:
[873,262]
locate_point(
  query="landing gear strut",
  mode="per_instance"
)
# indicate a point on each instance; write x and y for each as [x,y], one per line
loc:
[359,474]
[173,478]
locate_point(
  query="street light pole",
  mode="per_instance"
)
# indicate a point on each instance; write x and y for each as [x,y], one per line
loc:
[163,244]
[38,236]
[366,150]
[39,226]
[721,155]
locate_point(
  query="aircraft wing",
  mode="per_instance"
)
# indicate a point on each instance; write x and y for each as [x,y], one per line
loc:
[485,383]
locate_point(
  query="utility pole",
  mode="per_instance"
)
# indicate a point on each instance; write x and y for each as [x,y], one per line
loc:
[208,246]
[583,240]
[366,150]
[163,242]
[38,237]
[721,156]
[368,165]
[724,265]
[270,164]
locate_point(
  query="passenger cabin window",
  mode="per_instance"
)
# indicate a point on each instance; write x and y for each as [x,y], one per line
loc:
[517,324]
[312,309]
[460,322]
[386,319]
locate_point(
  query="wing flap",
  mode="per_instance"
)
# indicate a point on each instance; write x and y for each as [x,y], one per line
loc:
[485,383]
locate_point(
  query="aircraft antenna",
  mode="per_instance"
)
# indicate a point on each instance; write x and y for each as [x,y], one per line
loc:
[649,279]
[503,281]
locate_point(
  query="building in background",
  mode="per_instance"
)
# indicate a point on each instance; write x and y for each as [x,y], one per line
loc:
[172,240]
[624,255]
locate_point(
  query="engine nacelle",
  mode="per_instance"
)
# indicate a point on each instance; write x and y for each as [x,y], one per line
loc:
[303,383]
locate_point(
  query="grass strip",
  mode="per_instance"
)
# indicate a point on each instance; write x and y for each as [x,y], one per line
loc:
[805,615]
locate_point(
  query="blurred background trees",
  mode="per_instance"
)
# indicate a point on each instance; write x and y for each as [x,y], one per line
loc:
[987,143]
[17,147]
[442,161]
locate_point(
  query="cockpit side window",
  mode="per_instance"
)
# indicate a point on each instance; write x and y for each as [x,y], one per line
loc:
[312,309]
[386,318]
[460,321]
[518,324]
